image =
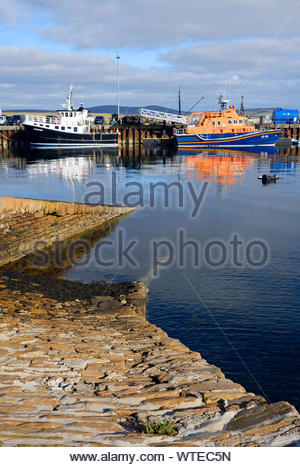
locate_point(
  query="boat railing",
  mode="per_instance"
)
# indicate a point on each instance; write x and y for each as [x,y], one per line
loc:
[34,119]
[41,119]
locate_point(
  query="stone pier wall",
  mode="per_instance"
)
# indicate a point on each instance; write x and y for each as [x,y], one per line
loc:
[24,222]
[81,366]
[58,208]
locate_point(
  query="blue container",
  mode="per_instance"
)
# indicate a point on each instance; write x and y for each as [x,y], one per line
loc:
[285,117]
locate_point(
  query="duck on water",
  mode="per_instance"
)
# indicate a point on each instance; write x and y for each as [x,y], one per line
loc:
[69,128]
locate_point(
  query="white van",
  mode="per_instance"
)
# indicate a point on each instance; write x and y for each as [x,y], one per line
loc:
[3,120]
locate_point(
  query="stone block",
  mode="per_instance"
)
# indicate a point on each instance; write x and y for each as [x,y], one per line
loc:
[260,414]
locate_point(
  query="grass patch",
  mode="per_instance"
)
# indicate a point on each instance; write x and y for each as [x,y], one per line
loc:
[162,428]
[150,427]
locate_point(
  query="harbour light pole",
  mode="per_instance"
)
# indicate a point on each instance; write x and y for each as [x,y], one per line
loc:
[118,86]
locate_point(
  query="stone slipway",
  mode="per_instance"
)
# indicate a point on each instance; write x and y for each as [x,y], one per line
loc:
[87,369]
[81,366]
[24,222]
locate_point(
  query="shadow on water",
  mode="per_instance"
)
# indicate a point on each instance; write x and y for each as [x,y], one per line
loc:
[43,272]
[62,256]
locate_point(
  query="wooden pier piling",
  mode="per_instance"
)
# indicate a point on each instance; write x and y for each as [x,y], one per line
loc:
[12,136]
[133,135]
[129,135]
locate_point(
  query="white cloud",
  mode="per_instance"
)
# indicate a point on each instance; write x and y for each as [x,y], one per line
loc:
[251,47]
[42,78]
[39,78]
[116,24]
[12,13]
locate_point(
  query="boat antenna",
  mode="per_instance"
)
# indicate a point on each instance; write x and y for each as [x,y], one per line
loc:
[201,99]
[69,98]
[68,103]
[227,88]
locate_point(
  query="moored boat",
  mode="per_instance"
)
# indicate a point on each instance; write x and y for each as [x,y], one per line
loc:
[224,128]
[69,128]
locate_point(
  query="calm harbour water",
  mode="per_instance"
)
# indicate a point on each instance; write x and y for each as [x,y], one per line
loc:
[244,319]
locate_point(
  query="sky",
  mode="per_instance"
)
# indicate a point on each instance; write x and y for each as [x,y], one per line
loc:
[238,47]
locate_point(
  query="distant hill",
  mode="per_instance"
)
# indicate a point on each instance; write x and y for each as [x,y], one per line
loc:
[132,110]
[103,109]
[22,111]
[127,110]
[260,111]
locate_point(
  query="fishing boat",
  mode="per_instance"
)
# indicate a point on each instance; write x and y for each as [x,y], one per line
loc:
[224,128]
[68,128]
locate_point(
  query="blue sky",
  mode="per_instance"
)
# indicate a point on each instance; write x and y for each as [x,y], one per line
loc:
[250,47]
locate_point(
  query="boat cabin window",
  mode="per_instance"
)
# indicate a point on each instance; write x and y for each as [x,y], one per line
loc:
[63,128]
[219,123]
[69,128]
[56,127]
[71,114]
[47,126]
[234,121]
[75,128]
[66,114]
[230,122]
[214,123]
[240,121]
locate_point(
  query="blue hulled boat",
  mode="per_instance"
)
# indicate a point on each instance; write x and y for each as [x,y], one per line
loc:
[221,129]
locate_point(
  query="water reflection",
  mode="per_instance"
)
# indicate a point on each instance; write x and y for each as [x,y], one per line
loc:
[258,310]
[219,166]
[73,168]
[64,174]
[254,150]
[62,256]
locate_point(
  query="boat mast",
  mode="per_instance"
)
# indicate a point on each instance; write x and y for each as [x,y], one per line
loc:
[69,98]
[223,102]
[242,108]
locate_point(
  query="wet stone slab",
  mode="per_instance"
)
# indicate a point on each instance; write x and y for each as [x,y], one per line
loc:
[81,366]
